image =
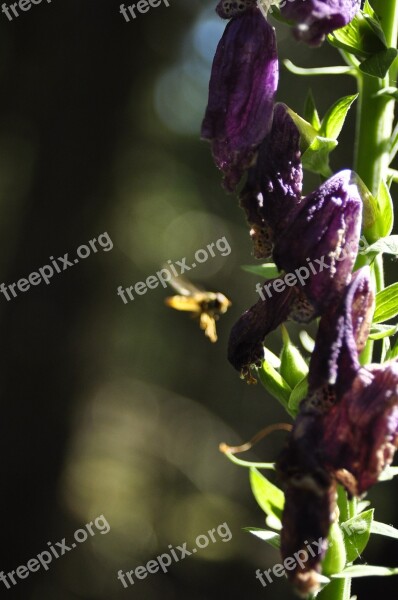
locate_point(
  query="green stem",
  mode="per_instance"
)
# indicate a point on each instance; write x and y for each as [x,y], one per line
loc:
[374,129]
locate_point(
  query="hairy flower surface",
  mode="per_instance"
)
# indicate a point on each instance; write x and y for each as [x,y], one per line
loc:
[242,89]
[316,18]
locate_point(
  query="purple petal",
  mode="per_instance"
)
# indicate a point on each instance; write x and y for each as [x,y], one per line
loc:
[361,431]
[342,334]
[317,18]
[274,184]
[321,243]
[279,170]
[310,502]
[245,342]
[242,88]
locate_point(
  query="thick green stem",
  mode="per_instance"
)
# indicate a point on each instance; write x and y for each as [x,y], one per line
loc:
[374,129]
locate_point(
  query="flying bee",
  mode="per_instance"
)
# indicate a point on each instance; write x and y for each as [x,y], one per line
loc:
[205,306]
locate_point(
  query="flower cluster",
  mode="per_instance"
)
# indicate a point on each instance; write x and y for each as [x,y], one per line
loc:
[347,428]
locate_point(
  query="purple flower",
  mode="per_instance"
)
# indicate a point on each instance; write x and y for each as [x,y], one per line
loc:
[274,184]
[323,238]
[361,430]
[317,251]
[242,88]
[245,346]
[317,18]
[309,465]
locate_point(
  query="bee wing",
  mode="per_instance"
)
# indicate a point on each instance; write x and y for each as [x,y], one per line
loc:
[183,286]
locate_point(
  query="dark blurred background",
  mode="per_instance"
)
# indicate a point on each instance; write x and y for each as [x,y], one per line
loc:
[117,409]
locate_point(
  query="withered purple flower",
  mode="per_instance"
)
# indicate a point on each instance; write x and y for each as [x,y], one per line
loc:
[317,251]
[305,471]
[274,184]
[242,89]
[316,18]
[324,228]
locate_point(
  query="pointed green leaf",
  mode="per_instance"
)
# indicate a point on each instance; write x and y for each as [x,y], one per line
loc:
[333,121]
[274,383]
[269,497]
[273,522]
[356,534]
[298,394]
[378,217]
[293,366]
[379,64]
[386,304]
[365,571]
[310,112]
[385,245]
[307,132]
[272,358]
[307,341]
[271,537]
[386,210]
[363,36]
[383,529]
[266,271]
[316,157]
[378,332]
[362,505]
[389,472]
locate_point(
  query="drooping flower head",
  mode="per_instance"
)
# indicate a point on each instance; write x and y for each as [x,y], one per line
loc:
[317,18]
[274,184]
[317,251]
[304,468]
[242,89]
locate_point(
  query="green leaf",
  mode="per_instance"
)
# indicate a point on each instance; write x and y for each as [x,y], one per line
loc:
[274,383]
[356,534]
[363,36]
[266,271]
[336,555]
[379,64]
[365,571]
[273,522]
[316,157]
[272,358]
[389,92]
[307,341]
[386,210]
[271,537]
[383,529]
[378,332]
[385,245]
[310,112]
[362,505]
[307,132]
[388,473]
[378,213]
[269,497]
[386,304]
[293,366]
[333,121]
[298,394]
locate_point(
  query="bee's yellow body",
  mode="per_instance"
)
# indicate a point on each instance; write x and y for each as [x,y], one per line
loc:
[207,306]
